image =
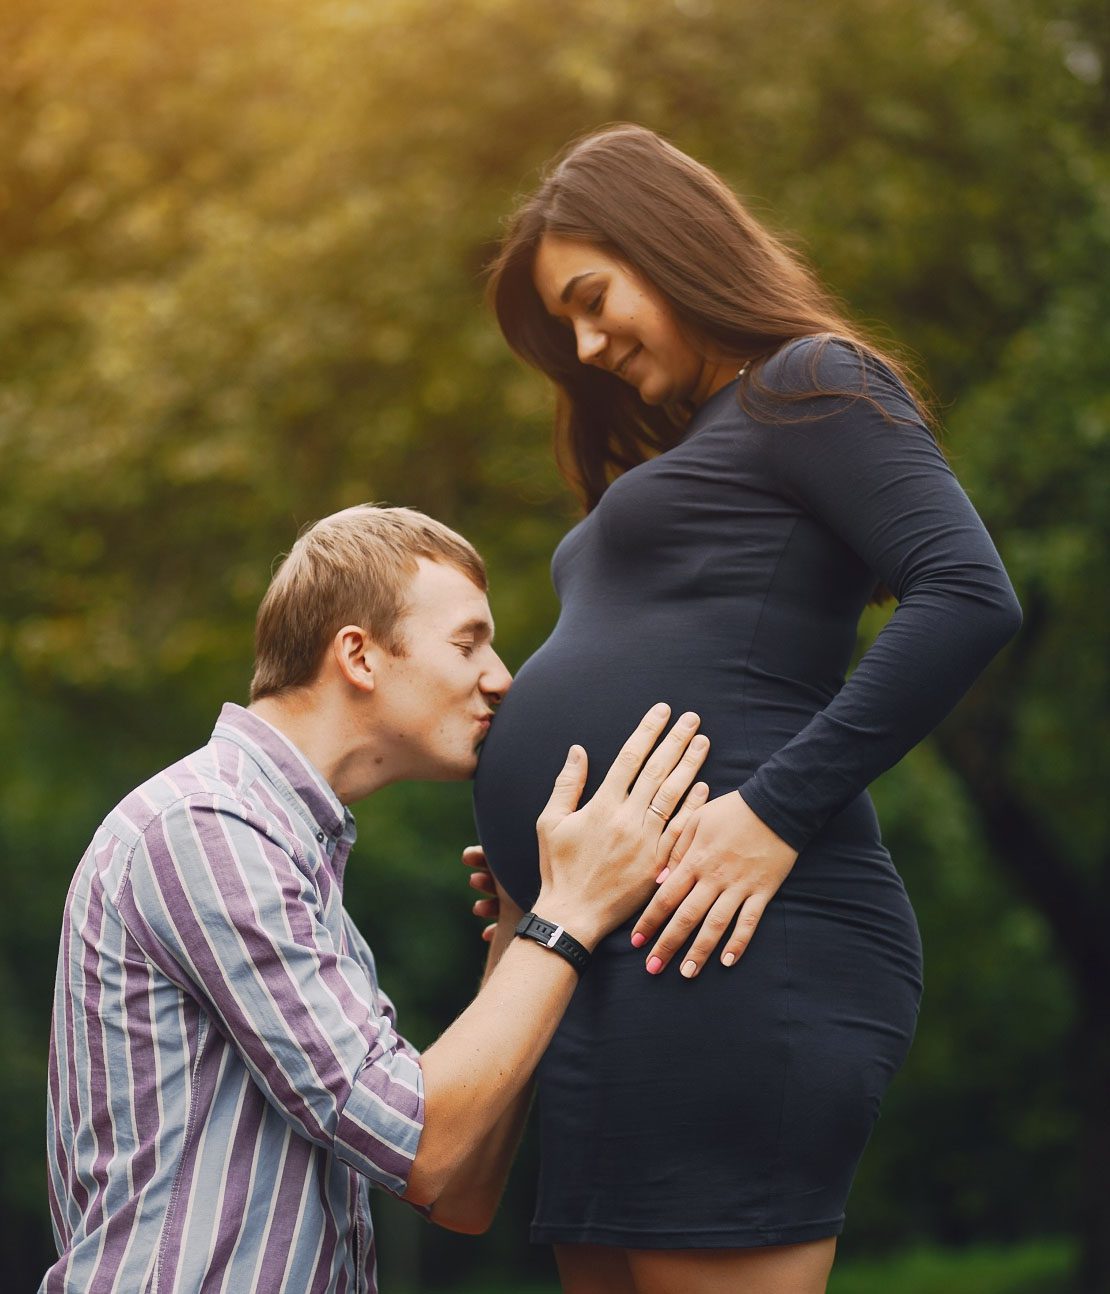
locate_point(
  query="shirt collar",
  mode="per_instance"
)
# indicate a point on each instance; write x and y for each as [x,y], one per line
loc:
[294,776]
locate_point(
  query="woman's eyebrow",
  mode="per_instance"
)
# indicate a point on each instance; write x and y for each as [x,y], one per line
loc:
[573,283]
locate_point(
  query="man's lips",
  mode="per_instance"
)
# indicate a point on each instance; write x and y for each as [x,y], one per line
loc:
[620,368]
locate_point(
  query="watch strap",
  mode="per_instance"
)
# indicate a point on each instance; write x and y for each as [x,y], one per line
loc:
[554,937]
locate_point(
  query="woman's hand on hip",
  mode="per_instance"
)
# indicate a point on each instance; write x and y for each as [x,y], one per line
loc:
[725,868]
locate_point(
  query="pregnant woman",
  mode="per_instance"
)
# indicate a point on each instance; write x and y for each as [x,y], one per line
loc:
[754,472]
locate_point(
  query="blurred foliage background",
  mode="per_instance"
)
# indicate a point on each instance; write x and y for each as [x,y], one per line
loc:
[241,252]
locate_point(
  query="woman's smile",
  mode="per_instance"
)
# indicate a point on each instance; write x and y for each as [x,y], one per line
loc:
[621,369]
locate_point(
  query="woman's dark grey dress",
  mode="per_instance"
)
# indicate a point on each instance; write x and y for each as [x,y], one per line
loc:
[727,576]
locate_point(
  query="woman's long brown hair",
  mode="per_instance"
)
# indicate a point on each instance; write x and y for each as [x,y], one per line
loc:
[733,287]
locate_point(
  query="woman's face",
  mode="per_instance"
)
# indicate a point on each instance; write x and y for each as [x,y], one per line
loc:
[621,324]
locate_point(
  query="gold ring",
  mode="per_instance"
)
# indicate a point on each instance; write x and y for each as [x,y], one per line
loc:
[658,812]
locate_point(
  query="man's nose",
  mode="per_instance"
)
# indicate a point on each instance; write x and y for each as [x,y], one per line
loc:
[591,341]
[496,681]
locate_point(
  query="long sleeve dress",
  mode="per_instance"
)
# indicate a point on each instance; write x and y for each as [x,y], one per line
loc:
[727,576]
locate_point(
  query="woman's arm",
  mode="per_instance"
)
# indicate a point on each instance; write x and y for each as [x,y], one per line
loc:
[885,490]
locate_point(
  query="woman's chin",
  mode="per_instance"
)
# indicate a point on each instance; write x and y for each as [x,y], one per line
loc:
[651,392]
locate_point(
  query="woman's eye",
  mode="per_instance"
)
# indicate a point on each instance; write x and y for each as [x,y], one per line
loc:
[595,305]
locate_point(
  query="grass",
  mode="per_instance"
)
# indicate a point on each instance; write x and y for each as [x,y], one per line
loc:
[1037,1268]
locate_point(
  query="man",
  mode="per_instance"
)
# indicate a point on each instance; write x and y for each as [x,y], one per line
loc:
[226,1077]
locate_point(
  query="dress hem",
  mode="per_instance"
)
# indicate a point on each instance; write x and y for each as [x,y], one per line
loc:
[723,1238]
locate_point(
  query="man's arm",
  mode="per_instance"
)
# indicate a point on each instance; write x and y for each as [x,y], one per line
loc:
[596,865]
[469,1200]
[230,914]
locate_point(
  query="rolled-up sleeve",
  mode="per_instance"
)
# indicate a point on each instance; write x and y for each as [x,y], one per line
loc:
[228,909]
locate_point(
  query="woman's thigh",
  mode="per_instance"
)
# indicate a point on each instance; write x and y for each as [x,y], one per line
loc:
[776,1269]
[593,1269]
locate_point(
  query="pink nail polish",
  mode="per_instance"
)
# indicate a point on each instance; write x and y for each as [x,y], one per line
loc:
[662,876]
[638,940]
[654,966]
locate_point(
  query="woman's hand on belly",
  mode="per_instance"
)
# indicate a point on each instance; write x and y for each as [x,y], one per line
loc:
[726,862]
[498,908]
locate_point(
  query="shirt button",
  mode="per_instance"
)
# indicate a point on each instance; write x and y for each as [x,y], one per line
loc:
[320,837]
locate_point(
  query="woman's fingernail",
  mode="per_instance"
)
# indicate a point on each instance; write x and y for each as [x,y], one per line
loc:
[689,969]
[638,940]
[654,965]
[728,958]
[662,876]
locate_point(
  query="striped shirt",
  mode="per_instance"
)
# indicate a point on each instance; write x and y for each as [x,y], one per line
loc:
[226,1079]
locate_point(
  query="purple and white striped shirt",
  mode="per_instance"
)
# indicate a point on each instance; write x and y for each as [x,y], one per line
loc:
[226,1078]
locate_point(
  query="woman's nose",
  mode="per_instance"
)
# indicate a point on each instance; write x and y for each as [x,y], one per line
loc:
[590,339]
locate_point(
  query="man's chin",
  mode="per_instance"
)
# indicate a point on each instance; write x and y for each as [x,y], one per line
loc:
[463,771]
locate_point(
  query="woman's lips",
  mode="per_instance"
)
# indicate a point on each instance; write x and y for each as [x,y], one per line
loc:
[622,367]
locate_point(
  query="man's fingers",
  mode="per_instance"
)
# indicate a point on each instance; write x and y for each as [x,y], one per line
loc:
[663,804]
[474,856]
[662,763]
[635,750]
[678,847]
[567,790]
[487,909]
[665,850]
[482,881]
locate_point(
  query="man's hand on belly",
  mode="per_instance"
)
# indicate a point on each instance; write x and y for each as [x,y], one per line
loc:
[597,861]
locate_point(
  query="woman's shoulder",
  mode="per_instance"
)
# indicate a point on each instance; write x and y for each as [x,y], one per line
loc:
[819,361]
[820,366]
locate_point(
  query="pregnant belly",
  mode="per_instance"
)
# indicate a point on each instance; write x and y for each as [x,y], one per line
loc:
[567,694]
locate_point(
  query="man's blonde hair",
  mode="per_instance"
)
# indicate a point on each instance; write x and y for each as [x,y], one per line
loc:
[353,567]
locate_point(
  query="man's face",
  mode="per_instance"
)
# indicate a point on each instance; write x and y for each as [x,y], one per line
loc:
[434,704]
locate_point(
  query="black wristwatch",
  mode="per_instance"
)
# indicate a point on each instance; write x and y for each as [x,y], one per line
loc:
[554,937]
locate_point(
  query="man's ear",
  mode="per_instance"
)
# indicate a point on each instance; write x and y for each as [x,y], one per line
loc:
[355,653]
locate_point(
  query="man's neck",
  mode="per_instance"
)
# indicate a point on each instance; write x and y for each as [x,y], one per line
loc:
[324,734]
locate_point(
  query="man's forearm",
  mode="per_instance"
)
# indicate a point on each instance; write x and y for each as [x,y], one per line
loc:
[469,1200]
[476,1075]
[596,865]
